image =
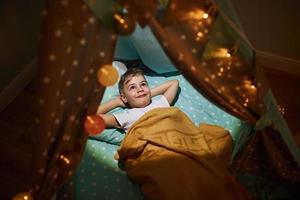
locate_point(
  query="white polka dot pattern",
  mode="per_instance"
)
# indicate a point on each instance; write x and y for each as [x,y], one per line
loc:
[104,179]
[99,177]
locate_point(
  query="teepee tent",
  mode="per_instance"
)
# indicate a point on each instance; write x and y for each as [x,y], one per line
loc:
[202,40]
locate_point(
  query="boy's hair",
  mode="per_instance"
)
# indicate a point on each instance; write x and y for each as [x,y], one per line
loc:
[131,72]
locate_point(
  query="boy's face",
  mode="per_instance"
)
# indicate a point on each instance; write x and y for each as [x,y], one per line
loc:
[136,92]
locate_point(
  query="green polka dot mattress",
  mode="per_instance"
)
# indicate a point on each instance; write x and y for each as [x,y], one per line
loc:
[99,176]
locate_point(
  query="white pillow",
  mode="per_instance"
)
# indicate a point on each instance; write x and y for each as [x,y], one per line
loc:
[120,67]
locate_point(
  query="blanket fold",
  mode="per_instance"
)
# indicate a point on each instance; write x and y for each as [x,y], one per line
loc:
[171,158]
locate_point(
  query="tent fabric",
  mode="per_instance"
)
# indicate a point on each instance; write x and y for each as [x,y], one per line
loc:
[280,124]
[202,68]
[209,51]
[74,44]
[125,49]
[142,44]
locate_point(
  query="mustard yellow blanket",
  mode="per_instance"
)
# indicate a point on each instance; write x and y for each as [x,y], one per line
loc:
[171,158]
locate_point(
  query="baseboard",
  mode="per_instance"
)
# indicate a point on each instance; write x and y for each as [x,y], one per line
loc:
[8,94]
[277,62]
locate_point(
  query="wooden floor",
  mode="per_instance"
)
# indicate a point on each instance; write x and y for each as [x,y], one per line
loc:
[16,120]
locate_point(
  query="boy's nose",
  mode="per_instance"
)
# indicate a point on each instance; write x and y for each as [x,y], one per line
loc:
[140,89]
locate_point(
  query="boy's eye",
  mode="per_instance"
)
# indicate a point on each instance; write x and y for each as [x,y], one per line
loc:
[144,84]
[131,87]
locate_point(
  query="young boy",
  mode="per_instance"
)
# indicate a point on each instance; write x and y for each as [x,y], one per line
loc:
[136,95]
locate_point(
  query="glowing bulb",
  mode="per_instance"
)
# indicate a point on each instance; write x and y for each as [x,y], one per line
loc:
[91,121]
[246,101]
[23,196]
[94,124]
[107,75]
[205,15]
[281,109]
[119,18]
[221,53]
[124,23]
[200,34]
[196,14]
[221,71]
[65,159]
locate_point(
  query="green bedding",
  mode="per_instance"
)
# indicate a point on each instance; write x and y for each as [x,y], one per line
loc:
[99,177]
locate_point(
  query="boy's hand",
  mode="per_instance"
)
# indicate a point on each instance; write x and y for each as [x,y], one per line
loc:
[110,105]
[109,119]
[168,89]
[119,102]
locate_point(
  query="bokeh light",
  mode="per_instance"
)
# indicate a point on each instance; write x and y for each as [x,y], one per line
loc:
[94,124]
[107,75]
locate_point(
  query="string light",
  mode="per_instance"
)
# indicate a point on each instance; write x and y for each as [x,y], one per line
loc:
[281,109]
[221,71]
[246,101]
[205,15]
[107,75]
[248,92]
[124,22]
[224,52]
[94,124]
[196,14]
[228,55]
[199,36]
[221,53]
[23,196]
[233,51]
[249,86]
[67,160]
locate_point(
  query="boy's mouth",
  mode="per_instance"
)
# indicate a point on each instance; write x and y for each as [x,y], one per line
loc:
[141,96]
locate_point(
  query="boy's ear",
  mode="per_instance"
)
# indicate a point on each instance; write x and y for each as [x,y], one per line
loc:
[123,98]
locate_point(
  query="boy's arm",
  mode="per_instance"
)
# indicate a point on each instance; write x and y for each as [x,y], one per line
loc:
[109,119]
[168,89]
